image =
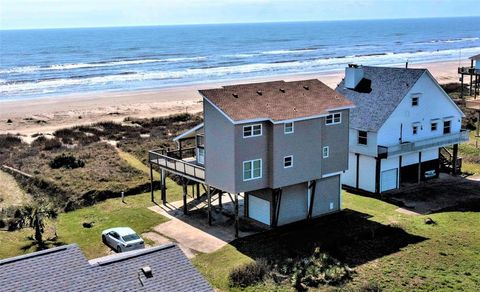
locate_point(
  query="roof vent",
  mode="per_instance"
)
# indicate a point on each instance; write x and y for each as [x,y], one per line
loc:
[235,95]
[147,271]
[282,90]
[259,92]
[306,87]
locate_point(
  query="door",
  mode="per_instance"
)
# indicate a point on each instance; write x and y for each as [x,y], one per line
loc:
[201,156]
[259,209]
[388,180]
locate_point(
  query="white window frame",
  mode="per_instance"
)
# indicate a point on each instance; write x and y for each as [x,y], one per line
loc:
[333,117]
[449,128]
[251,131]
[436,126]
[327,154]
[291,161]
[285,128]
[415,129]
[251,169]
[366,138]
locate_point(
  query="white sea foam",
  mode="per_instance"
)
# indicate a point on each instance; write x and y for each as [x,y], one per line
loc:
[226,72]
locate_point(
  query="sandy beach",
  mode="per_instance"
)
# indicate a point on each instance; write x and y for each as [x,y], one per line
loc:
[45,115]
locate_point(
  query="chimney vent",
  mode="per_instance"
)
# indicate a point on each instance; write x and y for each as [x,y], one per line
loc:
[235,95]
[147,271]
[259,92]
[282,90]
[353,75]
[306,87]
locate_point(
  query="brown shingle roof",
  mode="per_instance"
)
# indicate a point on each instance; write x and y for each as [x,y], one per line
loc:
[277,100]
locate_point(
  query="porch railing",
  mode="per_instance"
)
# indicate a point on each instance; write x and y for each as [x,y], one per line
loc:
[167,160]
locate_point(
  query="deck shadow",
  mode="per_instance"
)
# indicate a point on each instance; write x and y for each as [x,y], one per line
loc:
[348,236]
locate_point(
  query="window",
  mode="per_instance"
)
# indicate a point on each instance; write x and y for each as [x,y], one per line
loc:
[362,137]
[415,129]
[325,152]
[201,155]
[252,131]
[288,128]
[433,126]
[288,161]
[333,119]
[415,100]
[252,169]
[446,127]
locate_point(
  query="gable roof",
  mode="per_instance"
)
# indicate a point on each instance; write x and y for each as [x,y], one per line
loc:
[476,57]
[66,269]
[276,101]
[388,88]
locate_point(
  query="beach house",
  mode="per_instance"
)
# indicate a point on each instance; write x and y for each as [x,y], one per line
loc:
[399,129]
[281,145]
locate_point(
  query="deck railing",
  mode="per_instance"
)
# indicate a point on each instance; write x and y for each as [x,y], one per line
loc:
[447,139]
[165,159]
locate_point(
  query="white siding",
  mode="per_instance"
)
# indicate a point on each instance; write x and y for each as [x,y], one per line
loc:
[433,104]
[349,177]
[367,173]
[369,149]
[410,158]
[430,154]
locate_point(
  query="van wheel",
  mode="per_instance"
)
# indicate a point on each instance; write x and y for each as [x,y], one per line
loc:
[104,239]
[119,250]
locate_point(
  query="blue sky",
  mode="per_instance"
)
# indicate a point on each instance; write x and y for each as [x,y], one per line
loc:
[94,13]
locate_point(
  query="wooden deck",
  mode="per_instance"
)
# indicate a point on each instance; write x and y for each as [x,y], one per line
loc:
[184,167]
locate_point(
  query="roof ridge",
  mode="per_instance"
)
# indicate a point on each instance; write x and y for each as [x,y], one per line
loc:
[131,254]
[38,253]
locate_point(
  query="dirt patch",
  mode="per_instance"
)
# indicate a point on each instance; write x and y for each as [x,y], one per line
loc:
[440,195]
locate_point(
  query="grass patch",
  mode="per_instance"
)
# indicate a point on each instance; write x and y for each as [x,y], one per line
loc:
[446,257]
[107,214]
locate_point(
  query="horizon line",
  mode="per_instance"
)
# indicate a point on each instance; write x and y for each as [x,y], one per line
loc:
[230,23]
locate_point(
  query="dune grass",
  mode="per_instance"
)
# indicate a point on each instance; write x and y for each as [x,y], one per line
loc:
[11,194]
[447,258]
[107,214]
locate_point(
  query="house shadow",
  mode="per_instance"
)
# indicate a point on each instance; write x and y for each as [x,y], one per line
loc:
[348,236]
[444,194]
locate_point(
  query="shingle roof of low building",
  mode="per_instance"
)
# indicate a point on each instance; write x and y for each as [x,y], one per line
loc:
[276,101]
[66,269]
[476,57]
[389,87]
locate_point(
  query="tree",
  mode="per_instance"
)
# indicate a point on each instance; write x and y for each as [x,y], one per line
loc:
[34,217]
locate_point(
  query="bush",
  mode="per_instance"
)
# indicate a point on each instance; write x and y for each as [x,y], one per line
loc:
[8,141]
[66,161]
[370,287]
[248,274]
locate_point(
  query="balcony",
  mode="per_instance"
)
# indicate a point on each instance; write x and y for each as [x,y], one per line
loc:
[181,162]
[444,140]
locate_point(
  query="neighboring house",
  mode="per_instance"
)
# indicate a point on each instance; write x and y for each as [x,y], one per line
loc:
[401,121]
[65,268]
[282,144]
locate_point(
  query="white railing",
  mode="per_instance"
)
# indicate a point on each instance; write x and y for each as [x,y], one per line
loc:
[444,140]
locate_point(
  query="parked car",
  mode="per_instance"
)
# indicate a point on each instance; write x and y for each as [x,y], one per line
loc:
[122,239]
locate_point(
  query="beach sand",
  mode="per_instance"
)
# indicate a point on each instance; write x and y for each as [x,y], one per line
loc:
[45,115]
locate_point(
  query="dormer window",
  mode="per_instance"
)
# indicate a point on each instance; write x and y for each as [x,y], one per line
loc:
[333,119]
[415,100]
[288,128]
[252,131]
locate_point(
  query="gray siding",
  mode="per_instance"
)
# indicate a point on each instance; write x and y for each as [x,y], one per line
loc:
[249,149]
[304,144]
[293,205]
[336,138]
[327,191]
[219,149]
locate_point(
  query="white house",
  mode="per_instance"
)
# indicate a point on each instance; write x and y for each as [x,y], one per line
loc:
[401,122]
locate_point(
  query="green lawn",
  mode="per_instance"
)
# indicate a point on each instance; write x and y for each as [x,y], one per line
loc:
[110,213]
[422,257]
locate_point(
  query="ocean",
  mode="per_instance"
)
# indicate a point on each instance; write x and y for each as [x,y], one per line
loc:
[37,63]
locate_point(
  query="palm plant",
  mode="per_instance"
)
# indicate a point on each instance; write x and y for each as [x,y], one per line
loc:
[34,217]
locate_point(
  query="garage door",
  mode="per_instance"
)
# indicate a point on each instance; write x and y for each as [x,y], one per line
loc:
[388,180]
[259,209]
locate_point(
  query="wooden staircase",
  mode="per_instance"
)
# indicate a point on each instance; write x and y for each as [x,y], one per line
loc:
[446,161]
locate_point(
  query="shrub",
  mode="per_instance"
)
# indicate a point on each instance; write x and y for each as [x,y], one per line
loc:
[8,141]
[66,161]
[248,274]
[370,287]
